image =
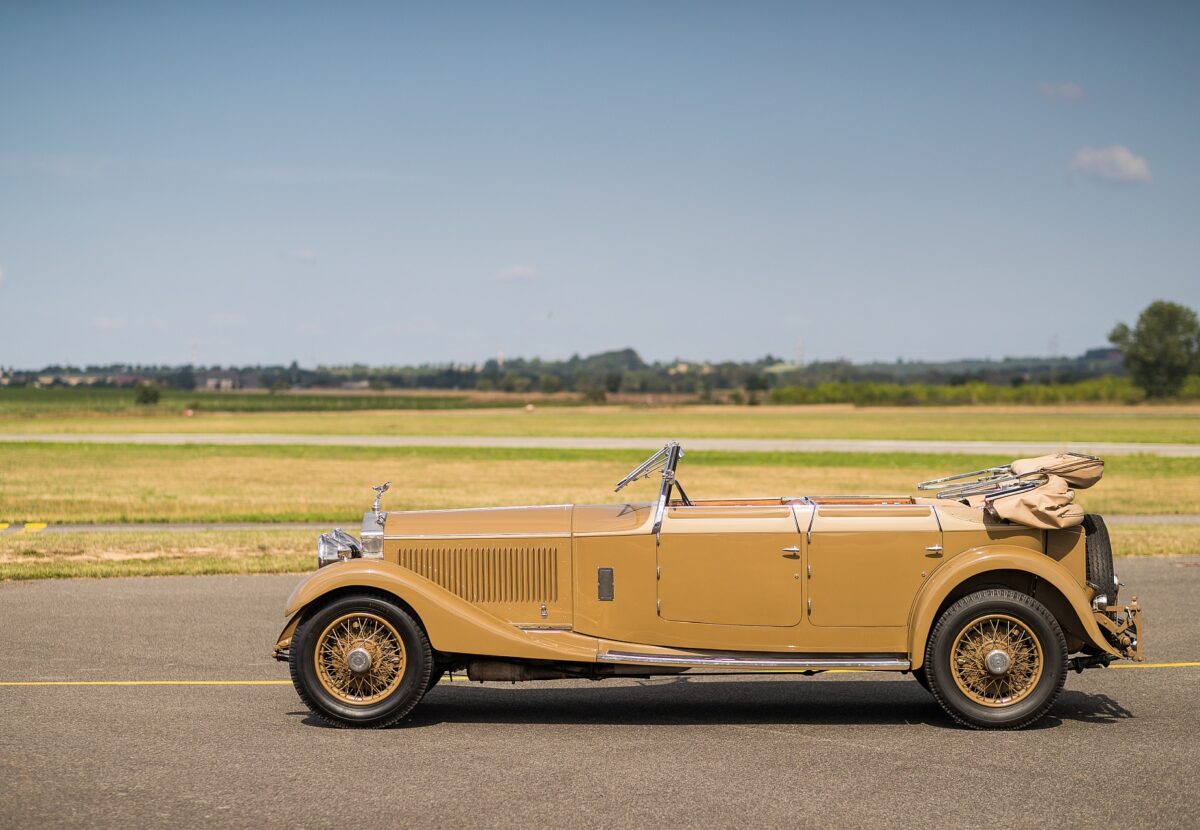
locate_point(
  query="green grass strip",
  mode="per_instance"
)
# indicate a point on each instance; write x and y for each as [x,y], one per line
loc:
[951,462]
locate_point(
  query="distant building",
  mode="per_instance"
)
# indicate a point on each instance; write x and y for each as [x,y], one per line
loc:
[218,380]
[126,379]
[356,384]
[1106,353]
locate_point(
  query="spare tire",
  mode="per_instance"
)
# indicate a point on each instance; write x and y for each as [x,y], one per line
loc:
[1100,574]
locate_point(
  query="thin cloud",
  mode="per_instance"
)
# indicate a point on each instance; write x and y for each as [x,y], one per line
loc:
[424,326]
[67,168]
[1062,91]
[304,254]
[516,272]
[313,176]
[1117,164]
[1,276]
[108,323]
[227,319]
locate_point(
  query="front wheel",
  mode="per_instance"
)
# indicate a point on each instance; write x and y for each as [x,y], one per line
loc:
[360,661]
[996,659]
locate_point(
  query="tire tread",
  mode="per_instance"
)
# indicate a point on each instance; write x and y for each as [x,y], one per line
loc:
[391,718]
[984,597]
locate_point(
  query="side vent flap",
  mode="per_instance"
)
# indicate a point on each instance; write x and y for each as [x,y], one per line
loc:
[489,575]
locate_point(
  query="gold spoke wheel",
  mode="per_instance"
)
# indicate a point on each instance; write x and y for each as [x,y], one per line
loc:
[359,658]
[996,660]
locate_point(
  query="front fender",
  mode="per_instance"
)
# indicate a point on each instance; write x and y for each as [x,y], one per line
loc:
[452,624]
[997,558]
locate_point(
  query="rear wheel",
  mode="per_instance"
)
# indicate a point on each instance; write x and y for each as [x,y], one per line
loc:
[360,661]
[996,659]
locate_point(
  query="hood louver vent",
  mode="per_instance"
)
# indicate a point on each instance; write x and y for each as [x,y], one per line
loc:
[491,574]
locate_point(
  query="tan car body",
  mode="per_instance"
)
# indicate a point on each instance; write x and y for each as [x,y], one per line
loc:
[806,583]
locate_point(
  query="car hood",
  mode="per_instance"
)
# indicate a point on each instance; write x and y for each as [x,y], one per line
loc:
[539,520]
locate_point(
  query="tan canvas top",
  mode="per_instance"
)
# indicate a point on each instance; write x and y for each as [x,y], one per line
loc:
[1079,471]
[1036,492]
[1049,506]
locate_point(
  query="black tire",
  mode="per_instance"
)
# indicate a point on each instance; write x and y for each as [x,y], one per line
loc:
[919,676]
[403,690]
[434,677]
[1036,636]
[1100,573]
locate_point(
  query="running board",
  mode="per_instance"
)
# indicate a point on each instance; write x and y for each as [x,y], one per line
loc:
[781,662]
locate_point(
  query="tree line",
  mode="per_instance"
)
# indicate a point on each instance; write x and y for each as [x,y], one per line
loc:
[1157,357]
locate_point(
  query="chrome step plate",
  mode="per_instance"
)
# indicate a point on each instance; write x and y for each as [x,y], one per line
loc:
[733,662]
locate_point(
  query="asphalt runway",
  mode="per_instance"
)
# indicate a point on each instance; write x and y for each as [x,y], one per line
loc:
[1012,448]
[856,750]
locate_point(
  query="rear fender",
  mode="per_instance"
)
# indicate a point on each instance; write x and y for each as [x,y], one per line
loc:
[999,558]
[452,624]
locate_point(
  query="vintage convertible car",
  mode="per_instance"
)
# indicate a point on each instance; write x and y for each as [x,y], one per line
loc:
[988,613]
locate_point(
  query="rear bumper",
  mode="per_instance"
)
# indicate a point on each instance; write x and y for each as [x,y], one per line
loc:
[1122,627]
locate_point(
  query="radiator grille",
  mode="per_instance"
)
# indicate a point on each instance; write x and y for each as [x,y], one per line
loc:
[500,575]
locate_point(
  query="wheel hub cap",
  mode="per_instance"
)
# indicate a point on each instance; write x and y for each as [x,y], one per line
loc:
[997,662]
[359,660]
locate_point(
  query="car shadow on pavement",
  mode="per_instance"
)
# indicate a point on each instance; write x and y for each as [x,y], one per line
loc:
[687,701]
[1084,708]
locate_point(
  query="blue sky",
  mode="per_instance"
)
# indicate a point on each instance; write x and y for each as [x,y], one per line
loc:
[397,184]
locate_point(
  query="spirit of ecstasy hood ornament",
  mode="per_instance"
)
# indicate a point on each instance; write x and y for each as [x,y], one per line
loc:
[379,489]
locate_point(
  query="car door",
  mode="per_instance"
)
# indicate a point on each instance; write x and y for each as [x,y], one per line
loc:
[730,565]
[866,562]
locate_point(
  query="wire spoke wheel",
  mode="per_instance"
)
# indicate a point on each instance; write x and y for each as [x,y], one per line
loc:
[996,660]
[359,658]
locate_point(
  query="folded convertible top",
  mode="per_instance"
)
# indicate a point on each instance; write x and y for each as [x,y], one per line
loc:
[1035,492]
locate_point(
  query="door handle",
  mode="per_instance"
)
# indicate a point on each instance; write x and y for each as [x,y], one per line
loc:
[792,552]
[936,550]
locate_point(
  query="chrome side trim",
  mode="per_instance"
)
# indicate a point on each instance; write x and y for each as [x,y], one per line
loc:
[907,503]
[543,627]
[781,662]
[478,536]
[482,509]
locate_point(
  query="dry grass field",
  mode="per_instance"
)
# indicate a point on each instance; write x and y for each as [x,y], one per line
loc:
[120,483]
[1080,423]
[193,553]
[114,483]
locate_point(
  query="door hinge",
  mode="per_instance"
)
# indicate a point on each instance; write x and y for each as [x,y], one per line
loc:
[810,606]
[658,572]
[810,571]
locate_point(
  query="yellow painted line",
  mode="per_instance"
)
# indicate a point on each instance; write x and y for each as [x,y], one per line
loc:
[3,525]
[1153,665]
[33,527]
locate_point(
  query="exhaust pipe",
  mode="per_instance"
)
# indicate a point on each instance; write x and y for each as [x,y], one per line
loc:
[499,670]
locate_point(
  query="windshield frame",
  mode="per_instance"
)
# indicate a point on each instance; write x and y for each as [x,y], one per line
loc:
[666,459]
